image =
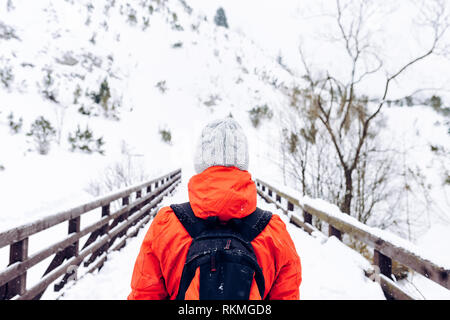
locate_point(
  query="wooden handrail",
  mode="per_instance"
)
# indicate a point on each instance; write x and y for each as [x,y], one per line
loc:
[387,247]
[103,233]
[26,230]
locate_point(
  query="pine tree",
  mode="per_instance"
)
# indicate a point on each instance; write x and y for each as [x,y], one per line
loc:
[43,132]
[220,19]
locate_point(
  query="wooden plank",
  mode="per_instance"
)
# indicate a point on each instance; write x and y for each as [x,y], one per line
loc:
[98,265]
[392,291]
[18,233]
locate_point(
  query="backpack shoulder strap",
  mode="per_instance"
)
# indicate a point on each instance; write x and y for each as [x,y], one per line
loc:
[193,225]
[249,228]
[253,224]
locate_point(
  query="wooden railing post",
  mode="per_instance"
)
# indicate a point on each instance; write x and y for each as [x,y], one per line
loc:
[332,231]
[71,251]
[307,218]
[123,217]
[278,198]
[106,211]
[383,262]
[74,227]
[125,200]
[290,206]
[18,252]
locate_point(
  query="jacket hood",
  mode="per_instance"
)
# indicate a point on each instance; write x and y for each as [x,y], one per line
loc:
[225,192]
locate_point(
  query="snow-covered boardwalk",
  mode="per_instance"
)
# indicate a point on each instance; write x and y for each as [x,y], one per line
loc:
[330,270]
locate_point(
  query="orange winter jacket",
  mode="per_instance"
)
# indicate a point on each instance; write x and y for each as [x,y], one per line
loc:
[226,192]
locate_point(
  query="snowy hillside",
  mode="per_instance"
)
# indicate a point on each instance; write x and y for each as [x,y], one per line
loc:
[166,69]
[126,87]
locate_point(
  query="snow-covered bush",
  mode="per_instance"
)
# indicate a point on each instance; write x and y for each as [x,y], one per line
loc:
[166,135]
[14,126]
[212,100]
[177,45]
[84,141]
[48,84]
[123,172]
[103,98]
[43,133]
[162,86]
[7,32]
[259,113]
[76,94]
[85,110]
[6,76]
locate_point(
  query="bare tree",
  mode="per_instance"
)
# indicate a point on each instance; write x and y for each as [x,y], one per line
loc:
[347,117]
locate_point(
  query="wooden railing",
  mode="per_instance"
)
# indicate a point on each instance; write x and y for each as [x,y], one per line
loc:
[136,205]
[386,246]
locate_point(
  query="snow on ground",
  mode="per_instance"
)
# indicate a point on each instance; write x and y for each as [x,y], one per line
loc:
[330,270]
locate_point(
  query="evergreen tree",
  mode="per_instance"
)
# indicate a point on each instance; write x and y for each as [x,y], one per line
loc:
[43,132]
[220,19]
[84,141]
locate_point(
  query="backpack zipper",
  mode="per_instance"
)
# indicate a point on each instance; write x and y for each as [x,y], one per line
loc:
[213,262]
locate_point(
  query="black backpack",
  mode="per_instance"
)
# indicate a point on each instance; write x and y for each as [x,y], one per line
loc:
[224,253]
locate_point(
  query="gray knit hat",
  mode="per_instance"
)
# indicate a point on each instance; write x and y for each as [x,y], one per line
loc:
[222,143]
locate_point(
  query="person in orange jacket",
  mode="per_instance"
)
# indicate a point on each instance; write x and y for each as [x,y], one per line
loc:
[222,188]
